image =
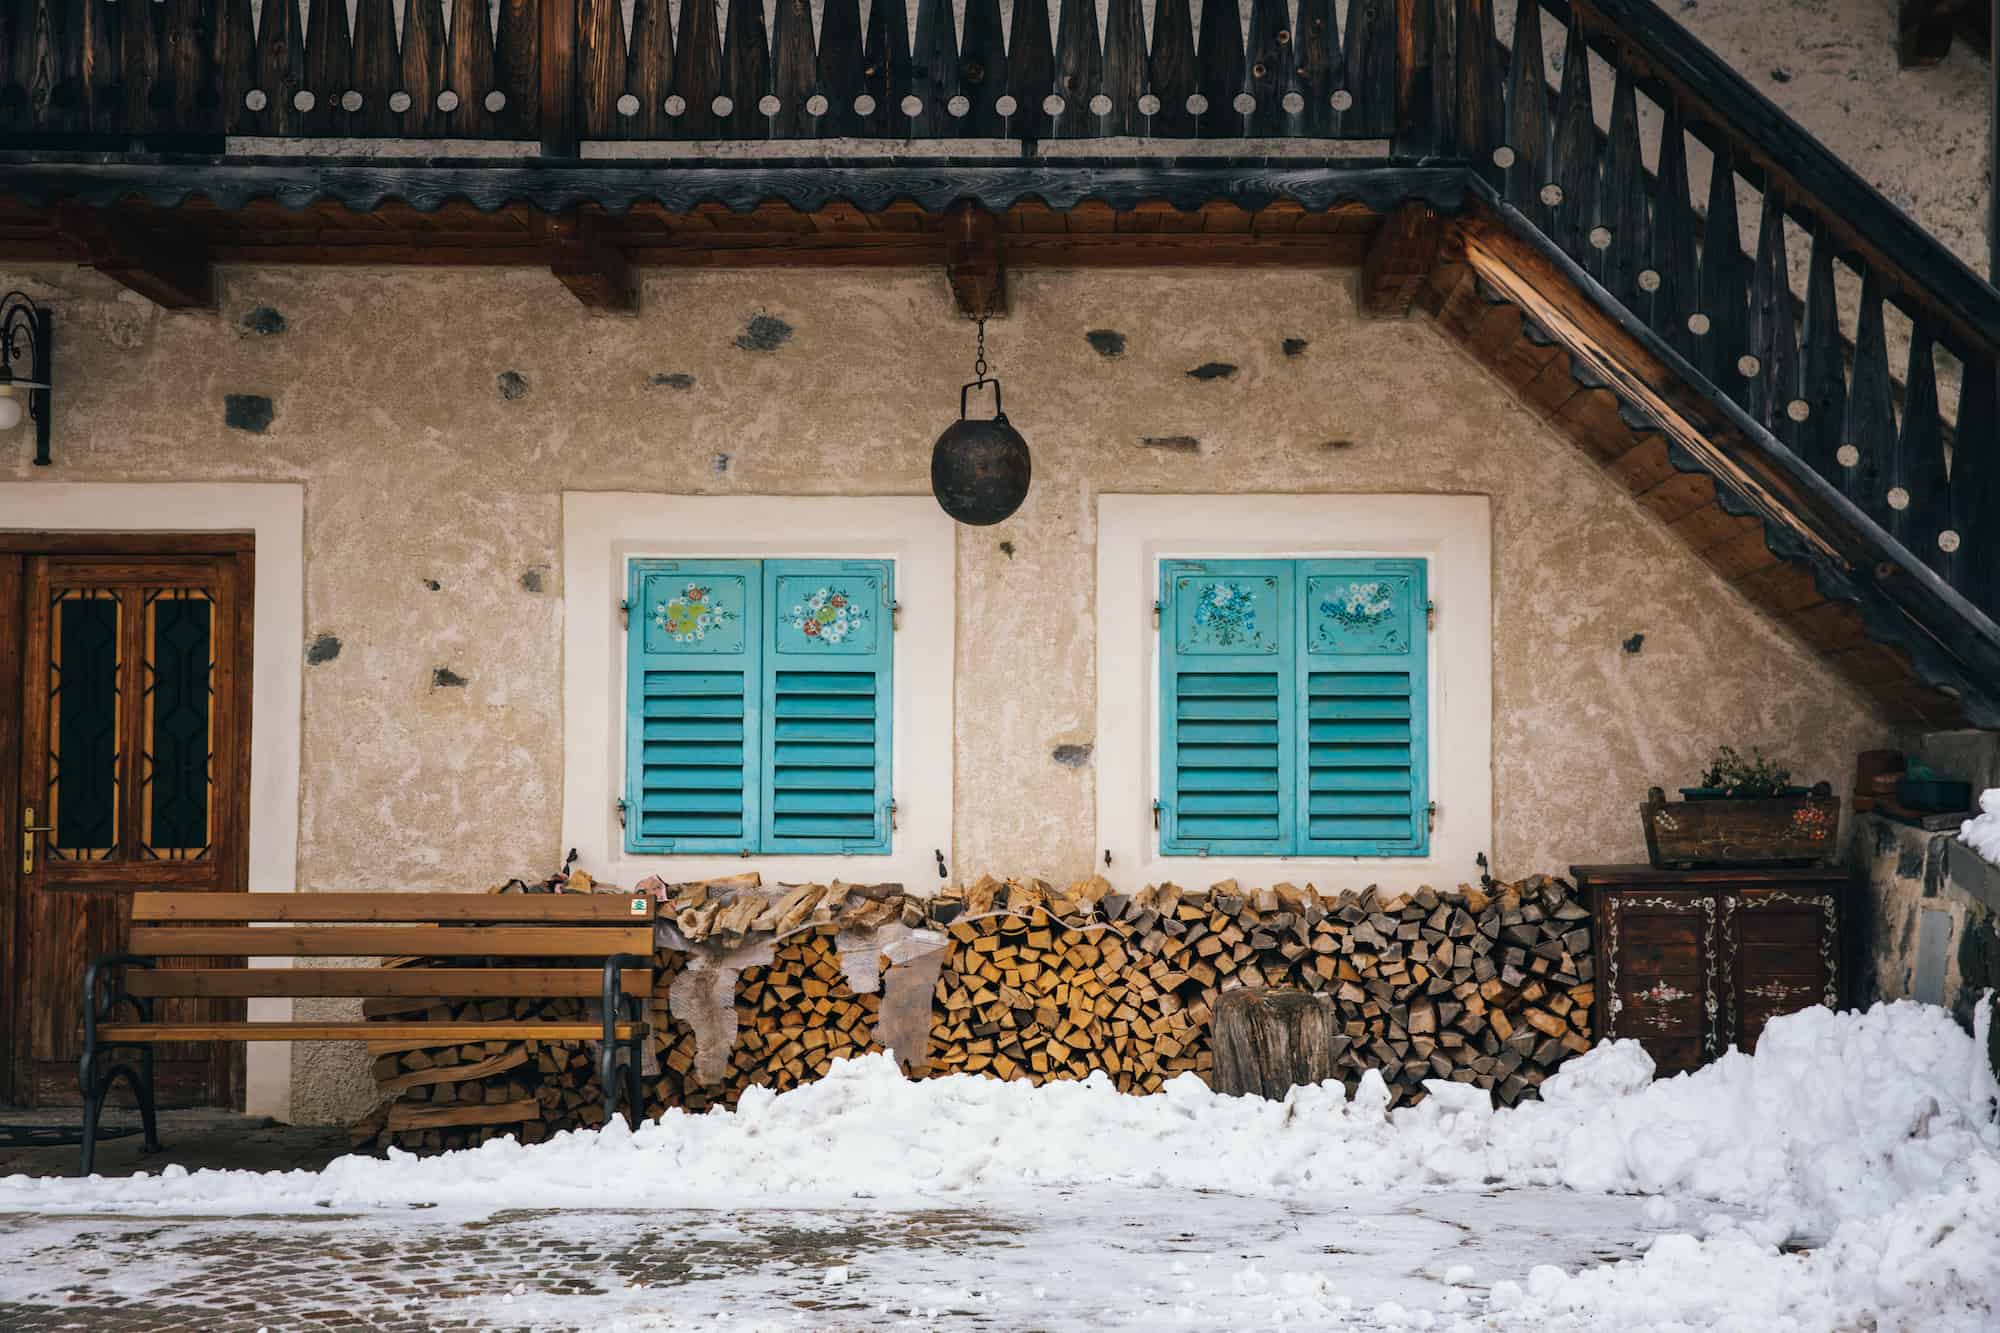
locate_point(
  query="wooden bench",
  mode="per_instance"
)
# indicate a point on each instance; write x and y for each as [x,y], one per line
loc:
[459,927]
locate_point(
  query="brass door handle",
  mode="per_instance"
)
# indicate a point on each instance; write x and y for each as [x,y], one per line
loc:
[29,828]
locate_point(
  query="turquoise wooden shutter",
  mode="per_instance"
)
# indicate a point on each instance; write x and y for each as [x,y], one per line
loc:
[1228,704]
[694,692]
[829,657]
[1364,689]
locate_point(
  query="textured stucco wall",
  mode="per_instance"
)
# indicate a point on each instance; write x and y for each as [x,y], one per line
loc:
[387,403]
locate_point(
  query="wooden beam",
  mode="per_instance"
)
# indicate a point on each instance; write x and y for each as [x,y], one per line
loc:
[1401,256]
[973,262]
[592,268]
[561,135]
[165,263]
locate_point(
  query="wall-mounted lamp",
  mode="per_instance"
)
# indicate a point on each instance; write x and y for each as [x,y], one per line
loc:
[24,368]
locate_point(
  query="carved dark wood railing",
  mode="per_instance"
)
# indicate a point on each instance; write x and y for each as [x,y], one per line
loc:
[1568,153]
[559,70]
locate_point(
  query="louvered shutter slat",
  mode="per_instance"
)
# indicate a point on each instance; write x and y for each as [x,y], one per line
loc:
[1364,688]
[1226,758]
[693,680]
[828,682]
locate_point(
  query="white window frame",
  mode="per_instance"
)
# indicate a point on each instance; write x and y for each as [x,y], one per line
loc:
[1135,533]
[603,531]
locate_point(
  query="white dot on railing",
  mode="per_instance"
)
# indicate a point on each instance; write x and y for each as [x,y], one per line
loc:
[1948,541]
[1600,238]
[1698,324]
[496,102]
[864,105]
[1100,105]
[1649,280]
[817,104]
[1848,455]
[722,105]
[1747,366]
[1197,104]
[399,102]
[350,100]
[1342,100]
[1798,409]
[913,106]
[1552,194]
[768,105]
[1244,104]
[1053,105]
[1293,103]
[1503,157]
[1006,104]
[628,105]
[959,106]
[1149,105]
[303,100]
[676,105]
[447,100]
[255,99]
[1899,499]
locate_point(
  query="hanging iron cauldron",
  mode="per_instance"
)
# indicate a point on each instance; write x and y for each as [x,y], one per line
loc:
[980,469]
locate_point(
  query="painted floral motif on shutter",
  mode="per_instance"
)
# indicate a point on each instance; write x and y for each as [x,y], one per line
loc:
[828,616]
[689,616]
[1361,615]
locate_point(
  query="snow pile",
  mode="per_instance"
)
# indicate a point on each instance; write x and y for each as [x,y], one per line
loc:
[1931,1263]
[1982,832]
[1836,1116]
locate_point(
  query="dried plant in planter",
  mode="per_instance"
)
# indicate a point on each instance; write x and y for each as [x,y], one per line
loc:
[1732,777]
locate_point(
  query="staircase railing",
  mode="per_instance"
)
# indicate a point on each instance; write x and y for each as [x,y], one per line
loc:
[1559,119]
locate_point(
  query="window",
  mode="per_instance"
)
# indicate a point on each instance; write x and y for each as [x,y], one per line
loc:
[1293,707]
[759,706]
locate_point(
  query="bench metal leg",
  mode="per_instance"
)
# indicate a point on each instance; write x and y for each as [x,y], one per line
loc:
[607,1054]
[96,1086]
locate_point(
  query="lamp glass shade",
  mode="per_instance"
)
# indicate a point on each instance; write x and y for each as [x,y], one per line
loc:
[10,411]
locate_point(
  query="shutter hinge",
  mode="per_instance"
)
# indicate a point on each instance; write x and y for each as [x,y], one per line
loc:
[1432,810]
[1430,615]
[895,616]
[624,615]
[1156,613]
[892,814]
[1156,816]
[621,812]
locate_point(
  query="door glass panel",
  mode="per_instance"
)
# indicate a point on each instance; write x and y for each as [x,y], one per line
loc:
[86,769]
[177,762]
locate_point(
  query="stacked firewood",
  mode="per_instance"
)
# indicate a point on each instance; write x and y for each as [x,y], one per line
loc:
[1490,986]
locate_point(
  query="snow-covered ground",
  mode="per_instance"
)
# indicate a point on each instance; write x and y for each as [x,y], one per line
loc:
[1847,1176]
[1982,832]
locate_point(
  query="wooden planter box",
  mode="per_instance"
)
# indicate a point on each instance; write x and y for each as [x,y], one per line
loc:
[1785,830]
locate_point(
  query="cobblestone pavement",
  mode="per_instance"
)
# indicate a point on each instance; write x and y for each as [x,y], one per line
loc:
[1134,1260]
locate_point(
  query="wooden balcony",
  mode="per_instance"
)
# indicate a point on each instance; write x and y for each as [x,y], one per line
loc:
[152,138]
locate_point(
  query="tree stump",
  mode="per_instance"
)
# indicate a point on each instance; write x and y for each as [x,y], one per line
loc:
[1268,1042]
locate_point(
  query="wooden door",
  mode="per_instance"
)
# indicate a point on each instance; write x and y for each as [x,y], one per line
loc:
[127,685]
[1658,951]
[1782,956]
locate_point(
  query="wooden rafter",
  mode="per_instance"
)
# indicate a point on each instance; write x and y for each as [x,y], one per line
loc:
[1399,259]
[973,261]
[586,262]
[161,260]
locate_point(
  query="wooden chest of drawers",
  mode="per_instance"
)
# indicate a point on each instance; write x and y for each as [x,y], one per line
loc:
[1693,962]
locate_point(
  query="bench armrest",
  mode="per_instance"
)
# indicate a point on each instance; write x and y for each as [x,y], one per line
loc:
[98,971]
[614,966]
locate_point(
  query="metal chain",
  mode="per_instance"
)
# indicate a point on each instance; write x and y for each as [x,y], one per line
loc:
[979,361]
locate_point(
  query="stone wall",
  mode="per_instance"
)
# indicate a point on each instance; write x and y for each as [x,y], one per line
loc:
[435,419]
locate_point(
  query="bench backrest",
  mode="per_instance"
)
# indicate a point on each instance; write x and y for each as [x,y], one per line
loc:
[383,925]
